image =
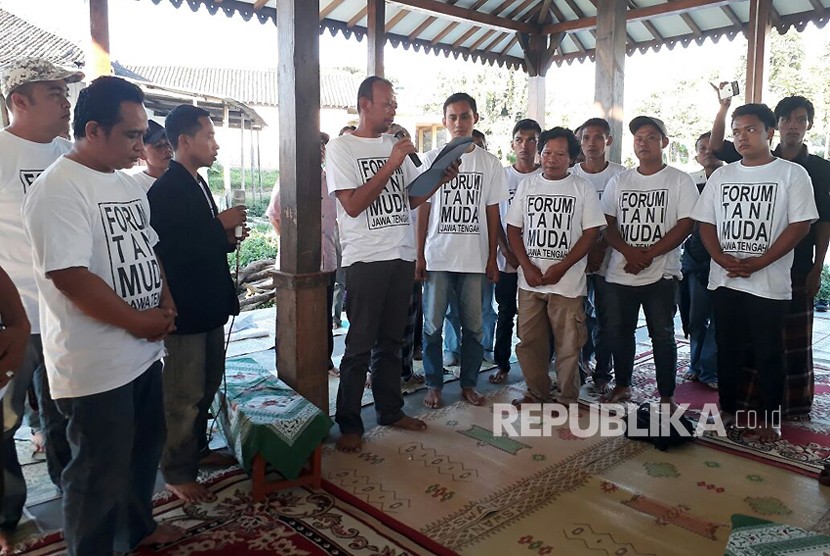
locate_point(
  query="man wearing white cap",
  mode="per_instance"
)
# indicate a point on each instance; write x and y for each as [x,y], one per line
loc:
[36,94]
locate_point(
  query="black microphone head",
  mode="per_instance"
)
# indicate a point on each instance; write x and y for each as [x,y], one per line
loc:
[401,134]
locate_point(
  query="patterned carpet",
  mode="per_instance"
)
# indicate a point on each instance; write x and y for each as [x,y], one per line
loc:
[804,446]
[298,522]
[478,494]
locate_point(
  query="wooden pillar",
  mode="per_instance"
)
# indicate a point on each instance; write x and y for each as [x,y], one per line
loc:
[536,99]
[538,51]
[610,70]
[376,27]
[301,288]
[757,52]
[225,154]
[98,57]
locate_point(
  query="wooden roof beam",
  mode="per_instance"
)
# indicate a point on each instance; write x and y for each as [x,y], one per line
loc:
[395,19]
[818,6]
[482,38]
[492,44]
[465,14]
[357,17]
[544,10]
[637,14]
[420,28]
[443,32]
[324,13]
[733,17]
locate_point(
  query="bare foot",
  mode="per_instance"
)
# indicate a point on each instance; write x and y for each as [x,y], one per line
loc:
[728,419]
[617,395]
[191,492]
[5,543]
[517,403]
[499,376]
[433,399]
[368,385]
[215,458]
[349,443]
[163,534]
[601,387]
[409,423]
[767,433]
[669,400]
[334,372]
[473,397]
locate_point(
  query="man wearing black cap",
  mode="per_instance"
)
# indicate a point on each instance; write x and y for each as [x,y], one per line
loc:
[648,210]
[36,95]
[157,155]
[194,240]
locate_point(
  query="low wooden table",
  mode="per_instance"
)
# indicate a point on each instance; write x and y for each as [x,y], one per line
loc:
[266,422]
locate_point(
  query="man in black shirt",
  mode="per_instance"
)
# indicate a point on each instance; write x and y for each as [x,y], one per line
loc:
[194,239]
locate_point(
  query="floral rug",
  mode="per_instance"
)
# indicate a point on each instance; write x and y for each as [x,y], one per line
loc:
[482,494]
[804,446]
[297,522]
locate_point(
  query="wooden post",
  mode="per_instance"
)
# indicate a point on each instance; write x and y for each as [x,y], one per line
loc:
[610,70]
[302,349]
[225,154]
[376,27]
[538,51]
[536,99]
[757,52]
[98,58]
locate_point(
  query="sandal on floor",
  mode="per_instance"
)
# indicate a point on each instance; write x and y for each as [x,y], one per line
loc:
[690,376]
[622,397]
[713,385]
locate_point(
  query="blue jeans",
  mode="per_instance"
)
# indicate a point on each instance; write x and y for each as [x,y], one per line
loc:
[452,324]
[116,439]
[14,402]
[467,287]
[659,305]
[701,327]
[596,319]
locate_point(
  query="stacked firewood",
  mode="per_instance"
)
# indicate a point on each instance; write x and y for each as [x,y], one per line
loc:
[255,284]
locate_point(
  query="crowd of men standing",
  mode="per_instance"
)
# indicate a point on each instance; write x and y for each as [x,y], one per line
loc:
[569,244]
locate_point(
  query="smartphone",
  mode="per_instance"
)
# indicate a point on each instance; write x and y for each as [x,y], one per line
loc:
[729,90]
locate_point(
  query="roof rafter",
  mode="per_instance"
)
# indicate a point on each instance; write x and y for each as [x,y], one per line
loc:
[441,8]
[636,14]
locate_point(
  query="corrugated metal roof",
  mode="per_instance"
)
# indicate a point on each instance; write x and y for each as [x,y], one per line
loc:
[19,38]
[252,86]
[486,30]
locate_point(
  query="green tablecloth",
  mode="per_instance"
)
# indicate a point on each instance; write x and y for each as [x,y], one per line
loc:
[267,417]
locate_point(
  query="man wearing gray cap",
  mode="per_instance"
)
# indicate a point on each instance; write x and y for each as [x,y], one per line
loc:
[36,94]
[156,156]
[649,212]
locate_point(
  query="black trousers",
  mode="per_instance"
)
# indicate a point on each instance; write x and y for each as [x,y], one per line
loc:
[748,322]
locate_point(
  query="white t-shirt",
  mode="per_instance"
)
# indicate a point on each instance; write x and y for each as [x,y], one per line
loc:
[512,177]
[646,208]
[383,232]
[457,239]
[553,215]
[144,179]
[599,181]
[78,217]
[21,161]
[751,206]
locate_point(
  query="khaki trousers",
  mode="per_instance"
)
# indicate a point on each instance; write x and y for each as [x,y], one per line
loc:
[542,315]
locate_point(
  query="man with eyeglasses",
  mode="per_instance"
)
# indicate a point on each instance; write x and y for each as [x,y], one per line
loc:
[794,117]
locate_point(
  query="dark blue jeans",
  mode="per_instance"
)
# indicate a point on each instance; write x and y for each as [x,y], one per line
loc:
[116,439]
[659,305]
[596,319]
[506,296]
[701,327]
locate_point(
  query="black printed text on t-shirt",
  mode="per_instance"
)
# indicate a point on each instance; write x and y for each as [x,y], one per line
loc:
[28,177]
[391,208]
[747,211]
[460,204]
[547,234]
[136,275]
[642,216]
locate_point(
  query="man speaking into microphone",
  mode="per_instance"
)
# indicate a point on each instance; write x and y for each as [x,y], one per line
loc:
[194,240]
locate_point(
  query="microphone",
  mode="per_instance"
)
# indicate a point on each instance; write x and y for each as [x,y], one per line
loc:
[412,156]
[238,201]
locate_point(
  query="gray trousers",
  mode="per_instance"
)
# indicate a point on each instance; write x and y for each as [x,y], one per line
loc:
[193,371]
[377,304]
